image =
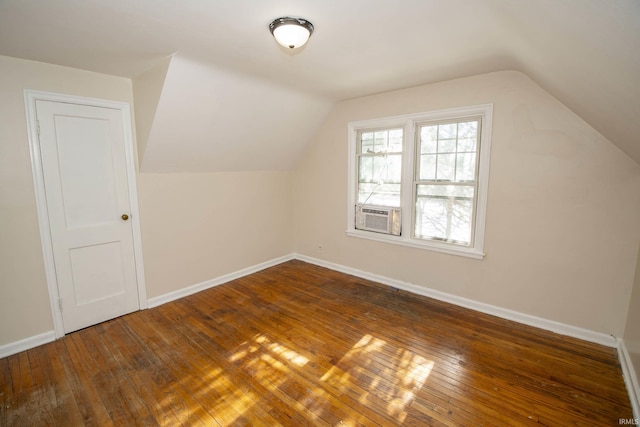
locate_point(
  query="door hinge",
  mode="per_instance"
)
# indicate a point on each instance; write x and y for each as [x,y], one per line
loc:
[60,304]
[38,127]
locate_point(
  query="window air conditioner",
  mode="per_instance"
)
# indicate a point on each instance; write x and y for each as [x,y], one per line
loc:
[381,219]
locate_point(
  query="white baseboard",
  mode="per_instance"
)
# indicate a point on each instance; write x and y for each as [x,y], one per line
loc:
[630,378]
[198,287]
[34,341]
[526,319]
[538,322]
[26,344]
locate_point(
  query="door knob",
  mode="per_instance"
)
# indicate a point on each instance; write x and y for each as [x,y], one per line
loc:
[124,217]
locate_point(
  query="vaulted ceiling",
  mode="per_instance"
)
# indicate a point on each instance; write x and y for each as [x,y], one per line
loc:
[214,92]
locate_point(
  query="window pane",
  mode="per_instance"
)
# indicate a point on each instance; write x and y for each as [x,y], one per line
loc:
[427,167]
[379,180]
[444,212]
[379,168]
[466,145]
[366,142]
[395,141]
[446,167]
[379,194]
[447,146]
[447,131]
[468,130]
[380,141]
[387,168]
[394,168]
[365,169]
[428,139]
[466,167]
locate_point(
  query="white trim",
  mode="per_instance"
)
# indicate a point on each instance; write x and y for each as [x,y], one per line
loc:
[41,207]
[433,246]
[27,344]
[30,97]
[133,205]
[630,378]
[198,287]
[538,322]
[408,123]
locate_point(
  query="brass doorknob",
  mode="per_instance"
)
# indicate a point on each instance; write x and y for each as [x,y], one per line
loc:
[125,217]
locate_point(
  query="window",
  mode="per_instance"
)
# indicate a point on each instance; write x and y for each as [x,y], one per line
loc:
[430,170]
[445,180]
[380,167]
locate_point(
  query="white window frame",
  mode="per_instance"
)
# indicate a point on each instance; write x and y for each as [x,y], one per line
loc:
[408,122]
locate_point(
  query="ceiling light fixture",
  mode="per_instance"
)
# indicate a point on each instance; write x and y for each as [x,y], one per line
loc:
[291,32]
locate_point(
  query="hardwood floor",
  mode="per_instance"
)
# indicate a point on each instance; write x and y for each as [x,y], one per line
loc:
[300,345]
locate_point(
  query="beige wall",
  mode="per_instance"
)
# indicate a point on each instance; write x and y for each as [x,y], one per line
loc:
[197,227]
[147,89]
[563,216]
[24,299]
[562,230]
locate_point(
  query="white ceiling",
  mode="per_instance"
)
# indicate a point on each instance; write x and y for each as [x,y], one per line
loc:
[233,99]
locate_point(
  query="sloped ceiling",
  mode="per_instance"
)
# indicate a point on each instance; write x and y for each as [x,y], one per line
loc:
[214,92]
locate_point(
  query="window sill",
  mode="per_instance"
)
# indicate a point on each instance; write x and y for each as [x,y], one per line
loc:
[413,243]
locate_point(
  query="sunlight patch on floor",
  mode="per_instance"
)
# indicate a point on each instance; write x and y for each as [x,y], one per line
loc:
[372,371]
[273,347]
[379,370]
[228,407]
[271,364]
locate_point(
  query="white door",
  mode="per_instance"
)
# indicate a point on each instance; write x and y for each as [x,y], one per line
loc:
[84,169]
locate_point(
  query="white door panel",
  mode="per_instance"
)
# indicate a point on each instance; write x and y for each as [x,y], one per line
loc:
[85,271]
[85,175]
[89,195]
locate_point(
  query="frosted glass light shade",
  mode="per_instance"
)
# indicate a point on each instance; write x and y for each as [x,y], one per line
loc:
[291,36]
[291,32]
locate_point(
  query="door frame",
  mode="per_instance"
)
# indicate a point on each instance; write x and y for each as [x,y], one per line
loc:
[31,96]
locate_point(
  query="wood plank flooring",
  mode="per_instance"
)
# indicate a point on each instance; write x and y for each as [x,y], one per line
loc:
[299,345]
